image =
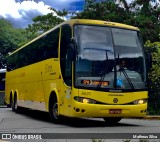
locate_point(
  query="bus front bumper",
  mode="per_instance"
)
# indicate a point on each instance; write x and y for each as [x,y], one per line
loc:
[98,110]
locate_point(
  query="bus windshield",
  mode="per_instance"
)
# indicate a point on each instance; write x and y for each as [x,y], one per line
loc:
[109,57]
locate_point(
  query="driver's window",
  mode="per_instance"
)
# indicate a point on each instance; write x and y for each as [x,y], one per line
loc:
[66,68]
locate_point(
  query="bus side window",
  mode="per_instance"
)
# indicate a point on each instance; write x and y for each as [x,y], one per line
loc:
[49,45]
[13,62]
[66,68]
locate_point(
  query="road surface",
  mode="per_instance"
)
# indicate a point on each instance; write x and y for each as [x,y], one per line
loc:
[32,122]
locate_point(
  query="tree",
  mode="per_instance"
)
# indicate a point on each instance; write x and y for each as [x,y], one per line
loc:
[45,22]
[154,76]
[146,17]
[10,39]
[125,4]
[104,10]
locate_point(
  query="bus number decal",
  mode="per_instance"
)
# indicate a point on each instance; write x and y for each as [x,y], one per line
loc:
[86,93]
[48,68]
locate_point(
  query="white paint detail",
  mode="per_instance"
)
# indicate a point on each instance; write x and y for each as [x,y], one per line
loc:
[32,104]
[68,93]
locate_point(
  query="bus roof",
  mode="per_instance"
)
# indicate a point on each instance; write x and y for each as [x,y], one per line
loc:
[84,22]
[100,22]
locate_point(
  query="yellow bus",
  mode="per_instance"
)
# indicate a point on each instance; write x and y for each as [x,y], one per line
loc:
[71,70]
[2,85]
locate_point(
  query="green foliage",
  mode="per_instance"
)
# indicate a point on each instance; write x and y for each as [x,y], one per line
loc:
[105,10]
[10,39]
[126,140]
[154,77]
[45,22]
[143,140]
[97,140]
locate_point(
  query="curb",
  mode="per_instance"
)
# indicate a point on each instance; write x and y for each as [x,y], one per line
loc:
[152,117]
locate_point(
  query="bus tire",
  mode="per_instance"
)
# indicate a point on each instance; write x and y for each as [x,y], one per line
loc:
[110,121]
[12,103]
[15,104]
[15,107]
[53,111]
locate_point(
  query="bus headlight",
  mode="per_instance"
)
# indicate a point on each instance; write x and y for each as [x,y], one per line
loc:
[85,100]
[140,101]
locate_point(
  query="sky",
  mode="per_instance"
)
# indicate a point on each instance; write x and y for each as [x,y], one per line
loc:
[21,12]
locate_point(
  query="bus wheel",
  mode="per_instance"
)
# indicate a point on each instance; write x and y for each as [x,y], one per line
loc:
[12,103]
[15,106]
[112,120]
[53,111]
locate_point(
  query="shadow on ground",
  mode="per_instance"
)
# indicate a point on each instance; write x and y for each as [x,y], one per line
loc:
[72,122]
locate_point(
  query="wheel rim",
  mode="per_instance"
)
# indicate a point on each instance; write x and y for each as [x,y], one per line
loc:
[55,110]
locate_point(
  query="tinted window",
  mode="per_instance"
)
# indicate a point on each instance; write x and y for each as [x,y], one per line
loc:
[44,48]
[12,62]
[2,81]
[65,64]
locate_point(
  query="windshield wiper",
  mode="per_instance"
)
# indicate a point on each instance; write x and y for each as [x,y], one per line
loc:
[104,71]
[126,76]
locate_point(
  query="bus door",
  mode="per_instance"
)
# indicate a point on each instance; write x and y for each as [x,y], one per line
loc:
[66,68]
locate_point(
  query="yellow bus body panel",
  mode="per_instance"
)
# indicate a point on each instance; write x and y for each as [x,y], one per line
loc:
[34,83]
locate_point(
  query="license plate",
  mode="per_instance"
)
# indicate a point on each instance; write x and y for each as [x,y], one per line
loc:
[115,111]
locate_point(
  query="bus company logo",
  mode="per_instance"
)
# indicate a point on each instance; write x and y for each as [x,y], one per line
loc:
[6,137]
[115,100]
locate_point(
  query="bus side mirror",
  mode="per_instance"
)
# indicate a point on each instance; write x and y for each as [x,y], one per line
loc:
[149,59]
